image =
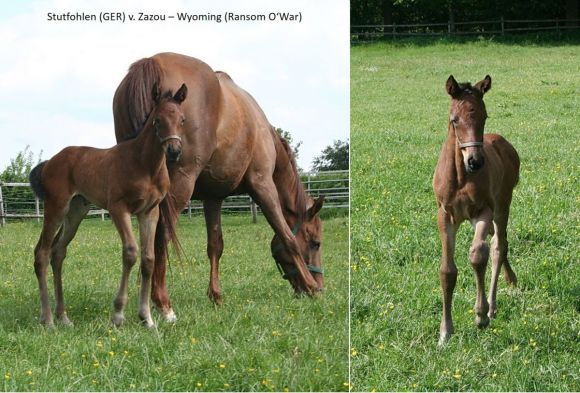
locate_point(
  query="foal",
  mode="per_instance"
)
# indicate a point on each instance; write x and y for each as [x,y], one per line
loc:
[129,178]
[474,180]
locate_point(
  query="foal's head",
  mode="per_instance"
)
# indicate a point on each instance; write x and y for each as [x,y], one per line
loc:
[168,120]
[467,117]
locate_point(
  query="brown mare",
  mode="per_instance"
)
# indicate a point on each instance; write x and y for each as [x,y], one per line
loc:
[229,147]
[129,178]
[474,180]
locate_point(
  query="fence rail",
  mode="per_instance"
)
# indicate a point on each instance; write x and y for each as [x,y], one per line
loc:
[18,202]
[366,33]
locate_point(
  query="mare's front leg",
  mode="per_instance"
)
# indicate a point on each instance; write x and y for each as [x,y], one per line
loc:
[478,256]
[215,246]
[147,224]
[122,221]
[78,209]
[265,194]
[447,272]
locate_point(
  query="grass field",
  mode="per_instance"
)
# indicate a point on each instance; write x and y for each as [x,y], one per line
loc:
[399,112]
[262,339]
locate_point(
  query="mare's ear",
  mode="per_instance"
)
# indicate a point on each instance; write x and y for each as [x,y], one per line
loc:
[316,206]
[484,85]
[181,94]
[452,86]
[156,93]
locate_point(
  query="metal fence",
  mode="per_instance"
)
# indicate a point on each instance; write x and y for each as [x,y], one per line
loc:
[17,200]
[366,33]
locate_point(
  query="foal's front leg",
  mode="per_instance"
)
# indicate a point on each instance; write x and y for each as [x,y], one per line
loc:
[478,256]
[447,271]
[147,225]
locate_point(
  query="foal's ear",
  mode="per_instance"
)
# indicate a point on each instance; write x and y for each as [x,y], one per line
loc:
[181,94]
[156,93]
[452,86]
[316,206]
[484,85]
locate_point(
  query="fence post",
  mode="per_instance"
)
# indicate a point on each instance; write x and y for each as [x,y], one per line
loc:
[37,207]
[3,221]
[189,208]
[254,211]
[502,26]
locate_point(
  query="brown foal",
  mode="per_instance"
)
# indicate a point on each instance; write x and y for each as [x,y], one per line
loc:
[474,180]
[129,178]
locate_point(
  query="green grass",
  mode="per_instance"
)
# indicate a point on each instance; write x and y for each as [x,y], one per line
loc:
[262,339]
[399,112]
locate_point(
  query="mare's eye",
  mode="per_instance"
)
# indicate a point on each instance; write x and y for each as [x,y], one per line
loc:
[314,244]
[183,121]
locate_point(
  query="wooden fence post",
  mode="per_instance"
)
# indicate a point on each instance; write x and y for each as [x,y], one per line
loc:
[37,208]
[254,211]
[502,26]
[3,221]
[189,209]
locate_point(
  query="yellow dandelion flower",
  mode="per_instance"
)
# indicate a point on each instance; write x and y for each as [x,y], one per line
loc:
[99,344]
[194,340]
[276,333]
[96,364]
[353,353]
[111,353]
[457,374]
[199,384]
[222,365]
[29,372]
[7,376]
[94,382]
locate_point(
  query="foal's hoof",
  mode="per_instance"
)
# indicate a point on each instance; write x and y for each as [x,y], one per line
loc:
[169,316]
[443,339]
[65,321]
[117,319]
[215,297]
[482,321]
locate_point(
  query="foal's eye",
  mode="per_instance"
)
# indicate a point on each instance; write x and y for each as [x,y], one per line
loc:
[314,244]
[183,121]
[454,120]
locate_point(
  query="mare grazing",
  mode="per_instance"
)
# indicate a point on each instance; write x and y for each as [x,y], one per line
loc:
[129,178]
[229,147]
[474,180]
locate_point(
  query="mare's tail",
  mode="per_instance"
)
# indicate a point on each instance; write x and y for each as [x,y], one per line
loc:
[166,228]
[35,178]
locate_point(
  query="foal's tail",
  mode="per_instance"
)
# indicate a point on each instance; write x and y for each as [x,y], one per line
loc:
[35,178]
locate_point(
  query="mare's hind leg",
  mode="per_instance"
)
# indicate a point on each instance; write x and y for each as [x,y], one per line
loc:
[122,221]
[478,255]
[78,209]
[215,246]
[499,251]
[447,272]
[147,225]
[53,217]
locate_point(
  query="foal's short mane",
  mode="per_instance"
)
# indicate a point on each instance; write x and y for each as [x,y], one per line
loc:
[296,186]
[467,88]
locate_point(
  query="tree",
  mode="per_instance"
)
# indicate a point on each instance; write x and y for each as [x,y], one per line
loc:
[286,135]
[334,157]
[20,167]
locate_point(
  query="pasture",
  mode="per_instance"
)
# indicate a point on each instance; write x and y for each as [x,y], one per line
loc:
[399,114]
[263,338]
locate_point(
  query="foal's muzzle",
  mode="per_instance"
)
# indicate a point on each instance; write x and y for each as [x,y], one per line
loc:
[173,153]
[475,164]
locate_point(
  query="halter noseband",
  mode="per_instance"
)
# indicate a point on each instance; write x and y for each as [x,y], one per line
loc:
[466,144]
[276,248]
[166,138]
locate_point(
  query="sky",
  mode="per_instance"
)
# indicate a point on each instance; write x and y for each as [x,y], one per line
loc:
[57,78]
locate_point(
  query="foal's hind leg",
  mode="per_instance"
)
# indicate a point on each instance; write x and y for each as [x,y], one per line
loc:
[122,221]
[499,251]
[215,246]
[478,255]
[78,209]
[53,217]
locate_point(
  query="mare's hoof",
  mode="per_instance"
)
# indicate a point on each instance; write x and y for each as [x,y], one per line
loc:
[215,298]
[65,321]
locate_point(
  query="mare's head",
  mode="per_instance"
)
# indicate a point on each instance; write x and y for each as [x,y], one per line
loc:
[168,120]
[467,117]
[308,234]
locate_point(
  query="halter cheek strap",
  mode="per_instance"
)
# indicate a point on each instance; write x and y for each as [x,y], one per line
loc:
[294,271]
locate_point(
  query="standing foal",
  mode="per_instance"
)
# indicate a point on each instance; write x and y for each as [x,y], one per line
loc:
[129,178]
[474,180]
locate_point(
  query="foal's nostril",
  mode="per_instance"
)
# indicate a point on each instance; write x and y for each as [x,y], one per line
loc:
[474,164]
[173,155]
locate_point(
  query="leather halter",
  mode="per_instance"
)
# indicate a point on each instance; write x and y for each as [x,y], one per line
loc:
[276,248]
[465,144]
